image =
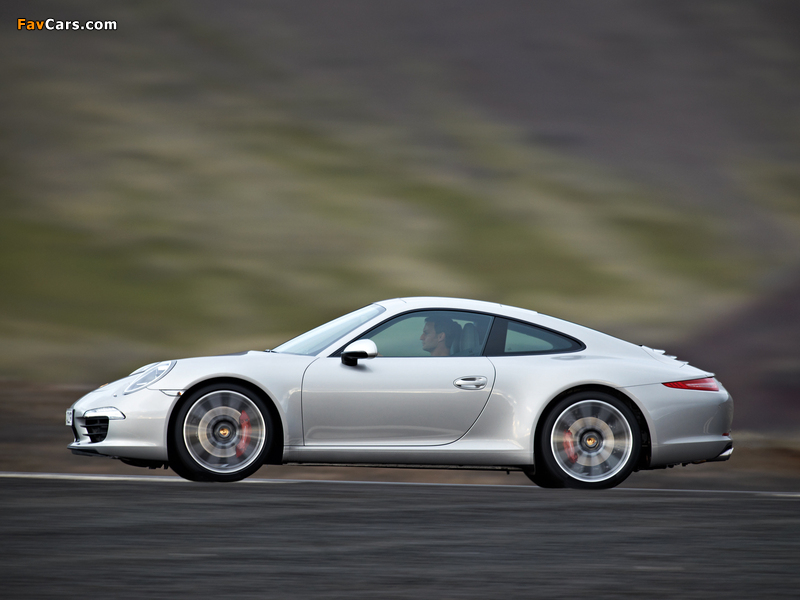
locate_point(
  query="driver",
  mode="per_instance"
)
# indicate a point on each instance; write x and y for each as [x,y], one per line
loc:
[439,334]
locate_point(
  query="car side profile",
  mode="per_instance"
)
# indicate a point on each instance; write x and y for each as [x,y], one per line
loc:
[418,382]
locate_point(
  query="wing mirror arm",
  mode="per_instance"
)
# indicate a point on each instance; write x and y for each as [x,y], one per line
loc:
[359,349]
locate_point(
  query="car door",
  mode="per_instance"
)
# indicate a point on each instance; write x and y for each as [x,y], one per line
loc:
[406,396]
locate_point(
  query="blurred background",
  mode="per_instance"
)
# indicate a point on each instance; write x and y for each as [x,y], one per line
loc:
[213,177]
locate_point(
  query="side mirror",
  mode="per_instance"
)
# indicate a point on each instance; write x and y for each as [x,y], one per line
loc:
[359,349]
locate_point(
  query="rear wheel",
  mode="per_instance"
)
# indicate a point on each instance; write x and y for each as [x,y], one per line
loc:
[221,433]
[590,440]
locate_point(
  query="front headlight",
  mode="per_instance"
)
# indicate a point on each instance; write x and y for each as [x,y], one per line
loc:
[149,375]
[143,369]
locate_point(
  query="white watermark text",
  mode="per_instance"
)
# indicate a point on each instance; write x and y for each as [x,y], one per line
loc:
[57,25]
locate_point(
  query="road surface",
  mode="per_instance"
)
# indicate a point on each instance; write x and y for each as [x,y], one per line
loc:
[146,537]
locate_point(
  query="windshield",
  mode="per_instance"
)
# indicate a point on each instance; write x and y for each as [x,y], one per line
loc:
[315,341]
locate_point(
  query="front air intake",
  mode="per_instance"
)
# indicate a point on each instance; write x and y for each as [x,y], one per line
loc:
[96,428]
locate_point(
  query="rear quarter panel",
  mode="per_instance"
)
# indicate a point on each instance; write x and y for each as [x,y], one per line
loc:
[526,385]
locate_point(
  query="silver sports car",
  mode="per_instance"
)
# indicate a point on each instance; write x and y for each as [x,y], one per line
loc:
[418,382]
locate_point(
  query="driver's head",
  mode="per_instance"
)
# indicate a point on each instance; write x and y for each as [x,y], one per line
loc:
[438,334]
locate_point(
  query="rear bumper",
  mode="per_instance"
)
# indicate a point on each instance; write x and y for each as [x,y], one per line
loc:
[686,426]
[725,455]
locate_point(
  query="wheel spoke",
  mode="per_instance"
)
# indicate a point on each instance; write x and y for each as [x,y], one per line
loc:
[605,415]
[583,411]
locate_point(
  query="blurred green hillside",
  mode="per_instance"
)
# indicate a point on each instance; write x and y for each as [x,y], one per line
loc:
[212,177]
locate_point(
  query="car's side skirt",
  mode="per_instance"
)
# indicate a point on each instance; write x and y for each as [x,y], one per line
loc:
[410,466]
[433,457]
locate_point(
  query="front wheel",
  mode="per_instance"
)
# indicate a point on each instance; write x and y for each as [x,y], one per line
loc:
[220,433]
[590,440]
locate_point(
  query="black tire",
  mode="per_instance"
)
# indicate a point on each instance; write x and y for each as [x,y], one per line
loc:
[543,478]
[590,440]
[221,432]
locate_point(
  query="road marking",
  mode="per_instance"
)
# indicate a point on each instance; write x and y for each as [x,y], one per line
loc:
[139,478]
[685,491]
[85,477]
[258,481]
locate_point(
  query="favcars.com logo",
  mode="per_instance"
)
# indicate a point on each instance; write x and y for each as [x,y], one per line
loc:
[56,25]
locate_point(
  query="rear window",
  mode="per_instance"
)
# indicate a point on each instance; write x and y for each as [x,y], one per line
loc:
[513,338]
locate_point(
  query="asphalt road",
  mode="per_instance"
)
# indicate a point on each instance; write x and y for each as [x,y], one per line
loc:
[112,537]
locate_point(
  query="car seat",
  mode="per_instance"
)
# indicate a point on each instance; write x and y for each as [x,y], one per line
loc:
[470,344]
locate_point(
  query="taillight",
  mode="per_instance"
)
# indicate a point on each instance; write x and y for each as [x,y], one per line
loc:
[706,384]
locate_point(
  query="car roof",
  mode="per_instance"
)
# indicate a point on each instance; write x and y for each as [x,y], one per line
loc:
[441,302]
[438,302]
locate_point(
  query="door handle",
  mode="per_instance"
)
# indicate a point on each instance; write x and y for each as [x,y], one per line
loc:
[471,382]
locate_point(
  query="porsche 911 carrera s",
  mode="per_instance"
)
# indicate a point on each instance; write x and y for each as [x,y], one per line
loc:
[418,382]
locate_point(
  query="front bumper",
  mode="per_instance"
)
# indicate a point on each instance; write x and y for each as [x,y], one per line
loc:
[107,422]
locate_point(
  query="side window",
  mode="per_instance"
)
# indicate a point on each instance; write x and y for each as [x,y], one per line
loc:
[509,338]
[432,333]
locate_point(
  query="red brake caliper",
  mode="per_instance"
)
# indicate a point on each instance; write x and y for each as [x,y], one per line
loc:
[244,423]
[569,447]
